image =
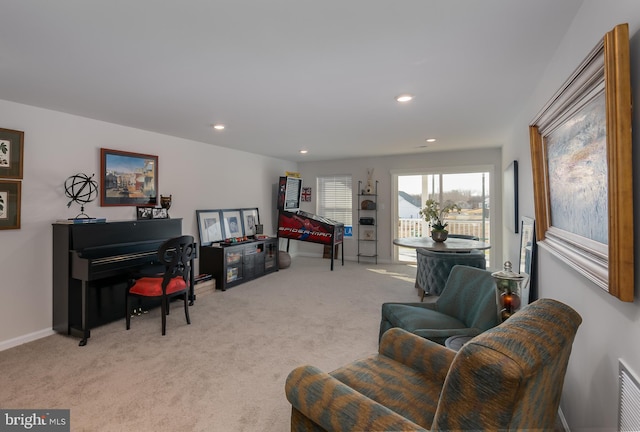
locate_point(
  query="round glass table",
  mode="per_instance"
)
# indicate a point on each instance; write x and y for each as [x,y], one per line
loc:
[452,244]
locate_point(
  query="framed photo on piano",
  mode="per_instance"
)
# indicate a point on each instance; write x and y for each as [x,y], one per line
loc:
[159,213]
[144,212]
[128,179]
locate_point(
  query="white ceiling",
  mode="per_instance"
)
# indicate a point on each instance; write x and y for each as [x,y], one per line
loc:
[284,75]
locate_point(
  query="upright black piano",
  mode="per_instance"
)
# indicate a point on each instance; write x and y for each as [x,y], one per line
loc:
[91,266]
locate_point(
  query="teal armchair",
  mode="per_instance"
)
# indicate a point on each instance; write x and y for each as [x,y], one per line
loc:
[433,268]
[508,378]
[466,307]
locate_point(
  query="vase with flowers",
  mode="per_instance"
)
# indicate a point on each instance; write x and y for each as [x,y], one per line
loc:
[435,215]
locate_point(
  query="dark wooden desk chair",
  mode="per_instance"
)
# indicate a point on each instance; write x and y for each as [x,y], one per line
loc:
[177,255]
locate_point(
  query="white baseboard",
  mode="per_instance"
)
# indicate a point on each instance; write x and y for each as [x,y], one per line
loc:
[5,345]
[565,426]
[338,258]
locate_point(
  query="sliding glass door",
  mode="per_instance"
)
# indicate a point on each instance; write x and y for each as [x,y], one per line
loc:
[469,189]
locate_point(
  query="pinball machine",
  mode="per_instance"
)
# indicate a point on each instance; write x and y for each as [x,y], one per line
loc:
[295,224]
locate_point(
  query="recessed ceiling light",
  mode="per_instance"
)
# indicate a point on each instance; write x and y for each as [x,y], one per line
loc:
[304,151]
[404,98]
[431,140]
[218,126]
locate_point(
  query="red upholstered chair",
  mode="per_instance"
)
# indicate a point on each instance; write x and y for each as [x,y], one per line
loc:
[177,255]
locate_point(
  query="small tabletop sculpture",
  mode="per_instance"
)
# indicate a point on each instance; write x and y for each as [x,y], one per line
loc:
[369,189]
[82,189]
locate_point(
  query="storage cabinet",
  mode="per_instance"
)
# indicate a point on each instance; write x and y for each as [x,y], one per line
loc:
[271,255]
[234,264]
[368,222]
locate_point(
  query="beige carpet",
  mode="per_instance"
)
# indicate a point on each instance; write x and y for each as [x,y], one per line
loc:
[226,371]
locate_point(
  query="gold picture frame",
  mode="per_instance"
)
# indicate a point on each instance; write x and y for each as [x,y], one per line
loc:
[581,163]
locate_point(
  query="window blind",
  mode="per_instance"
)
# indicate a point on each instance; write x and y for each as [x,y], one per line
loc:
[335,198]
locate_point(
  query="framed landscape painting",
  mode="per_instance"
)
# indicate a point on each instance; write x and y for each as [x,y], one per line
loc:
[128,179]
[582,169]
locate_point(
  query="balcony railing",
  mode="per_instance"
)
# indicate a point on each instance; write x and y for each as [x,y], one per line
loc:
[420,228]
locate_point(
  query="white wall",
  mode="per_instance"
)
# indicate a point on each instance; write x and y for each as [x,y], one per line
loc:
[57,145]
[383,166]
[610,328]
[204,176]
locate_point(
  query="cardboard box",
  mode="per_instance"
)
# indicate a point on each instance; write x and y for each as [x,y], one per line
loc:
[204,287]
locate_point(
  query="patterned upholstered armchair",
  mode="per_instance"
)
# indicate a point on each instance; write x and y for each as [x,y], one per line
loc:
[466,307]
[508,378]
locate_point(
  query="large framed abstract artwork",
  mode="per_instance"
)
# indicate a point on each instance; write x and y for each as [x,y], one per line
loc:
[128,179]
[582,169]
